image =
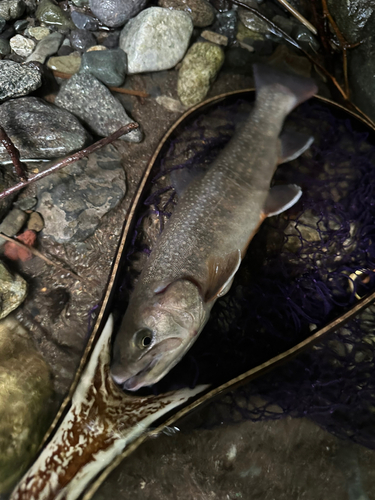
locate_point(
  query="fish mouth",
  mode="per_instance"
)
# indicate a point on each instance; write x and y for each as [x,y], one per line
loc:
[137,381]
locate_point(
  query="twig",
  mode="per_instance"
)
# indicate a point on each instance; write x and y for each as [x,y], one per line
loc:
[120,90]
[13,153]
[36,252]
[70,159]
[298,16]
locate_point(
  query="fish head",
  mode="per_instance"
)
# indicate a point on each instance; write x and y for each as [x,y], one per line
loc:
[155,334]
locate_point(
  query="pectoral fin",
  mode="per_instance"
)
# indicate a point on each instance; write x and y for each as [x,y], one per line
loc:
[220,274]
[280,198]
[293,144]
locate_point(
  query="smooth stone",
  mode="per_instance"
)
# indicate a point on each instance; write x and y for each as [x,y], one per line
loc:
[25,392]
[20,25]
[65,50]
[2,24]
[50,13]
[91,101]
[199,69]
[26,203]
[222,5]
[305,38]
[81,3]
[112,40]
[17,80]
[82,40]
[254,23]
[13,291]
[73,201]
[226,25]
[355,18]
[108,66]
[4,48]
[38,32]
[213,37]
[11,9]
[201,11]
[115,13]
[46,47]
[21,45]
[96,47]
[41,130]
[84,21]
[7,33]
[35,222]
[156,39]
[246,35]
[12,223]
[66,64]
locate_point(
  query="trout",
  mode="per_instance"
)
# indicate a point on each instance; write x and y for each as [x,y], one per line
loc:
[218,212]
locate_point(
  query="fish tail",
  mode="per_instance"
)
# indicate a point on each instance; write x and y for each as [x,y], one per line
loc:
[300,88]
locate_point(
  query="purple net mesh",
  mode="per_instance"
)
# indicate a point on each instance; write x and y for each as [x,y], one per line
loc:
[294,279]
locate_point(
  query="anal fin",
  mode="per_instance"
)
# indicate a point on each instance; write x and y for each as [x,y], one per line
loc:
[293,144]
[221,272]
[280,198]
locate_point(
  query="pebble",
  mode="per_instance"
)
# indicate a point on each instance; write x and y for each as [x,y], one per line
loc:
[51,14]
[35,222]
[199,69]
[84,21]
[170,104]
[38,32]
[66,64]
[41,130]
[65,48]
[81,3]
[20,25]
[17,80]
[96,47]
[254,23]
[4,48]
[46,47]
[213,37]
[7,33]
[108,66]
[201,11]
[13,291]
[156,39]
[226,25]
[111,40]
[11,9]
[305,38]
[15,252]
[115,13]
[12,223]
[21,45]
[285,23]
[91,101]
[82,40]
[27,203]
[72,202]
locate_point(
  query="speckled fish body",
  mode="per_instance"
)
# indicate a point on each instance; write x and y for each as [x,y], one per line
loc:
[201,247]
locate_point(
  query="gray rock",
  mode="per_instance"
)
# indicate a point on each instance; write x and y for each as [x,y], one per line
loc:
[91,101]
[115,13]
[84,21]
[73,201]
[12,223]
[2,24]
[111,41]
[17,80]
[41,130]
[46,47]
[226,24]
[13,290]
[11,9]
[20,25]
[355,18]
[108,66]
[51,14]
[82,40]
[254,23]
[156,39]
[4,48]
[81,3]
[26,203]
[201,11]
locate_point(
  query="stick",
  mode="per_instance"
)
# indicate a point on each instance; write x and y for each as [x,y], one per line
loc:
[298,16]
[13,153]
[70,159]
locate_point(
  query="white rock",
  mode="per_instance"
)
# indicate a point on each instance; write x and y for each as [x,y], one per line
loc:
[21,45]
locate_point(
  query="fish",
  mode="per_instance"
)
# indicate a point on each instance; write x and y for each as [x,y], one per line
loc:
[219,211]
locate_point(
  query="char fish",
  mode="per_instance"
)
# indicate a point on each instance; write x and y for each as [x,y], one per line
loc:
[201,248]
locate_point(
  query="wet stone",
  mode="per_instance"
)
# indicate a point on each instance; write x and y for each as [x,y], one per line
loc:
[82,40]
[226,25]
[81,3]
[38,32]
[112,40]
[305,38]
[72,202]
[200,11]
[285,23]
[41,130]
[66,64]
[156,39]
[20,25]
[51,14]
[17,80]
[21,45]
[4,47]
[96,47]
[361,76]
[238,61]
[199,69]
[213,37]
[108,66]
[12,223]
[13,291]
[115,13]
[2,24]
[84,21]
[254,23]
[26,203]
[46,47]
[11,9]
[7,33]
[35,222]
[355,19]
[87,98]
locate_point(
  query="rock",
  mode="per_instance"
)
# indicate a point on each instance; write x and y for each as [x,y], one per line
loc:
[355,18]
[66,64]
[82,40]
[253,23]
[51,14]
[65,48]
[247,36]
[35,222]
[170,104]
[15,252]
[115,13]
[84,21]
[25,390]
[17,80]
[108,66]
[7,33]
[46,47]
[91,101]
[213,37]
[156,39]
[201,11]
[285,23]
[81,3]
[41,130]
[4,48]
[96,47]
[112,40]
[13,291]
[199,69]
[26,203]
[222,5]
[362,74]
[13,223]
[20,25]
[2,24]
[226,25]
[305,38]
[21,45]
[38,32]
[73,201]
[11,9]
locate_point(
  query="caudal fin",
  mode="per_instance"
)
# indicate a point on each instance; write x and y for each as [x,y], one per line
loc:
[301,88]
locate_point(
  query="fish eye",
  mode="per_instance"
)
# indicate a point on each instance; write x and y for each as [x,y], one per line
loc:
[143,338]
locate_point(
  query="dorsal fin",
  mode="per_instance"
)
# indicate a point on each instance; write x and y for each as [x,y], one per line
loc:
[221,271]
